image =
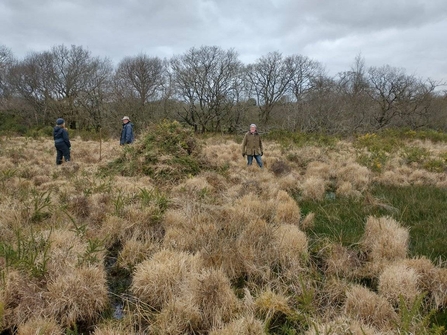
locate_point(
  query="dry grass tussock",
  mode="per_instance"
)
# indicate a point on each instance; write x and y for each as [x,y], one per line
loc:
[269,303]
[205,300]
[21,299]
[384,242]
[369,308]
[191,244]
[42,326]
[407,175]
[158,280]
[398,281]
[343,325]
[80,295]
[243,326]
[341,261]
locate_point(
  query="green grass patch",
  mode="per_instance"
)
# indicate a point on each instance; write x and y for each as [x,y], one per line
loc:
[422,209]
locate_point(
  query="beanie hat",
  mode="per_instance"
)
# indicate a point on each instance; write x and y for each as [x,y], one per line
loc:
[60,121]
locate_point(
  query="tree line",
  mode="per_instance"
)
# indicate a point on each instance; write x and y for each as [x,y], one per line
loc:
[211,90]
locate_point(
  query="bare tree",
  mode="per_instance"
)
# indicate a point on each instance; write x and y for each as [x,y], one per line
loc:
[138,81]
[6,62]
[306,75]
[415,106]
[355,96]
[388,87]
[62,81]
[73,69]
[270,78]
[206,80]
[95,98]
[32,79]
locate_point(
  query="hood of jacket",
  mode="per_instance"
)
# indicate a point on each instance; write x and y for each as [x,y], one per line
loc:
[58,132]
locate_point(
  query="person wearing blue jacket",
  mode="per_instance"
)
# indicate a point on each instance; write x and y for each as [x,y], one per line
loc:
[61,141]
[127,136]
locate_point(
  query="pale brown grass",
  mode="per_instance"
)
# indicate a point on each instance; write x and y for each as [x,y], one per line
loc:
[269,303]
[21,299]
[342,325]
[134,251]
[66,251]
[237,221]
[358,176]
[158,280]
[40,326]
[287,210]
[179,316]
[78,295]
[243,326]
[211,291]
[291,245]
[425,270]
[313,188]
[440,288]
[341,261]
[369,308]
[384,241]
[256,246]
[396,282]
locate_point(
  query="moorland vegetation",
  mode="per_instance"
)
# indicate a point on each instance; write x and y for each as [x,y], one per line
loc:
[176,235]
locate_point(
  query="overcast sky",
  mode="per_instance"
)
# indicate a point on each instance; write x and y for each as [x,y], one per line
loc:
[409,34]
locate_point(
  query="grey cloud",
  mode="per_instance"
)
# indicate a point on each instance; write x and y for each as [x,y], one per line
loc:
[401,32]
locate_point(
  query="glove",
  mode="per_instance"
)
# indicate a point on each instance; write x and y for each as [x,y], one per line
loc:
[243,155]
[262,154]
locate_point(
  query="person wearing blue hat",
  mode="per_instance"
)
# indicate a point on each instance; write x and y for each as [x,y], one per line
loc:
[61,141]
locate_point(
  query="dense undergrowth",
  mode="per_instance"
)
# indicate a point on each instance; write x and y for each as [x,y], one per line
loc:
[176,235]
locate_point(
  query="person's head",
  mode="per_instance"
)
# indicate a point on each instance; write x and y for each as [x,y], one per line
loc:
[125,119]
[60,122]
[252,128]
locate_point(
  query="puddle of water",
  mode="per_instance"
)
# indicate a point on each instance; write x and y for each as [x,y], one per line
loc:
[118,312]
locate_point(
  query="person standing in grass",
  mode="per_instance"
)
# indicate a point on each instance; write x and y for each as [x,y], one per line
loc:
[127,136]
[252,146]
[61,141]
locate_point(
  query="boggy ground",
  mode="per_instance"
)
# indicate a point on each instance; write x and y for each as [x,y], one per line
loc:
[192,241]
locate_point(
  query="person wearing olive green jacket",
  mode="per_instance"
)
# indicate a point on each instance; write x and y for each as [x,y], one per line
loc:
[252,146]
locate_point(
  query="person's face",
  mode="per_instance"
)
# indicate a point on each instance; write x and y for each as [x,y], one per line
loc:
[252,129]
[125,121]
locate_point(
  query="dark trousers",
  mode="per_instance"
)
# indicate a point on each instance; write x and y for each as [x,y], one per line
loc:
[257,157]
[62,150]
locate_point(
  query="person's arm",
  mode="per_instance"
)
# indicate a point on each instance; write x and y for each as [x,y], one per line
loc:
[244,143]
[128,135]
[66,138]
[260,145]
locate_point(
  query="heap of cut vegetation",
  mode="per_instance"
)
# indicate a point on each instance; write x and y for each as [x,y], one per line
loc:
[320,241]
[167,152]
